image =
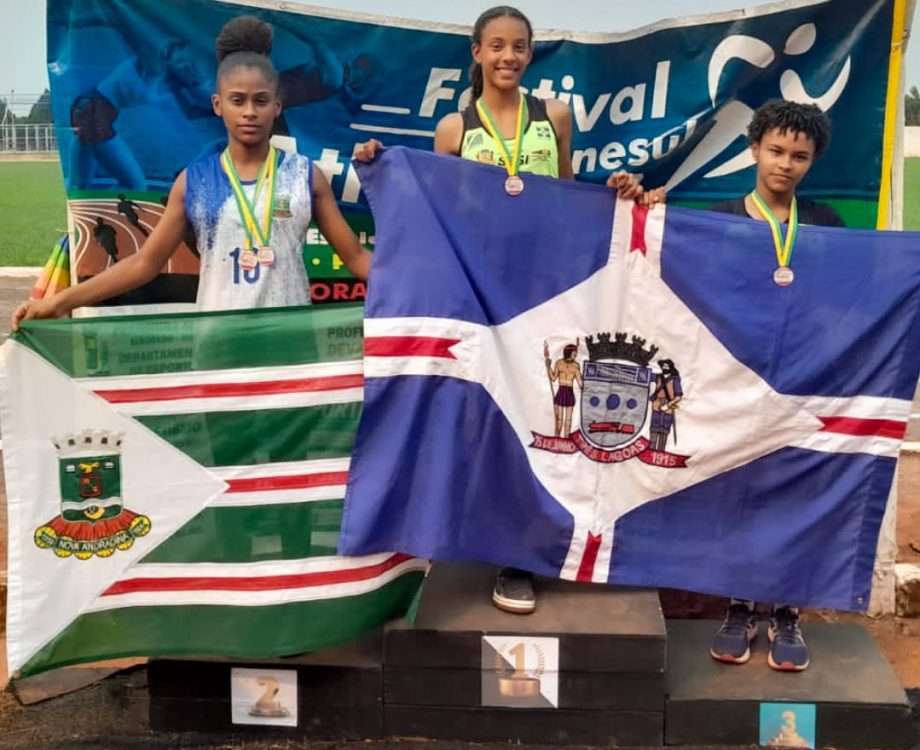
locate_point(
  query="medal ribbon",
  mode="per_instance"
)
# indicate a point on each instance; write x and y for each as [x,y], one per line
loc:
[511,159]
[785,249]
[268,175]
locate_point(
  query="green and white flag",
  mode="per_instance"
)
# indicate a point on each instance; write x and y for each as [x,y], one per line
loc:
[175,486]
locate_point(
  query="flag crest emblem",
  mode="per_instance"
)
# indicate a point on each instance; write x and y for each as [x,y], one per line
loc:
[93,519]
[615,396]
[617,388]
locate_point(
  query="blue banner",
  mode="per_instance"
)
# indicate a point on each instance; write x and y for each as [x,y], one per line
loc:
[131,85]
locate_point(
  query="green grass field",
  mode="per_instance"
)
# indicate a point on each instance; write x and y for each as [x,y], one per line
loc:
[32,211]
[912,193]
[33,216]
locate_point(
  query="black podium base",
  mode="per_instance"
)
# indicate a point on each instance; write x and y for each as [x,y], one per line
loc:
[339,693]
[858,700]
[595,676]
[588,667]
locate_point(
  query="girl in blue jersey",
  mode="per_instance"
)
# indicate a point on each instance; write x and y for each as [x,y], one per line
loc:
[249,206]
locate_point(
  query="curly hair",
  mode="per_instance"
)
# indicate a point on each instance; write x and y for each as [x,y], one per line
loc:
[246,41]
[782,115]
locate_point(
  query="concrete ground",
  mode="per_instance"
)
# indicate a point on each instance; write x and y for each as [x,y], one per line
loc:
[112,713]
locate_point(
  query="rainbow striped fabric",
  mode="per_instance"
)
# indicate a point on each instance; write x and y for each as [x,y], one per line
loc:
[180,490]
[55,275]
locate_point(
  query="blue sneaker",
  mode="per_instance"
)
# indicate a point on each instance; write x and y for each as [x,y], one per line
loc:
[732,643]
[788,652]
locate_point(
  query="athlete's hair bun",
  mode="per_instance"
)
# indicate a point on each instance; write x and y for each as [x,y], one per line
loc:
[244,34]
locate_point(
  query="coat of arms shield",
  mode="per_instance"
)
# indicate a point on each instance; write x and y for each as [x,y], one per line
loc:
[93,519]
[614,402]
[90,487]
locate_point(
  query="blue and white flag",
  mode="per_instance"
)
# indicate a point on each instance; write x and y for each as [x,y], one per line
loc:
[568,384]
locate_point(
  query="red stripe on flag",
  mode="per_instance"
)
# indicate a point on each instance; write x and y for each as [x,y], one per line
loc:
[254,583]
[886,428]
[586,569]
[408,346]
[293,482]
[217,390]
[639,215]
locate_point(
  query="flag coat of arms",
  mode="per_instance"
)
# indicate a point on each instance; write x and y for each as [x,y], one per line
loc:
[175,486]
[574,386]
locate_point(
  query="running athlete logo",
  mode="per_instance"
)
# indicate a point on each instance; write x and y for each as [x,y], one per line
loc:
[731,116]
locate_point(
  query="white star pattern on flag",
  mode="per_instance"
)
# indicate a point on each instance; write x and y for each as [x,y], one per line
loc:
[729,415]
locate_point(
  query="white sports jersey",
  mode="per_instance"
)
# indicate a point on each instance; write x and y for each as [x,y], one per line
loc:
[212,211]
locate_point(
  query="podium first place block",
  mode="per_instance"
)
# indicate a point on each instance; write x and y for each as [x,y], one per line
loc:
[587,667]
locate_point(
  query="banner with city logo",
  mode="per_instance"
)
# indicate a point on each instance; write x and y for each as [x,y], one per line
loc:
[175,486]
[131,86]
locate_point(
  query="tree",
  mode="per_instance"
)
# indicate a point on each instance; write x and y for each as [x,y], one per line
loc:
[40,113]
[912,107]
[3,113]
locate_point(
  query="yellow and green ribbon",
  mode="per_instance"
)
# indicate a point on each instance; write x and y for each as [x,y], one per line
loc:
[512,157]
[255,235]
[784,246]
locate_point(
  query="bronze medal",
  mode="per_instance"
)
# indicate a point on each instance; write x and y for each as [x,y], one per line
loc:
[514,185]
[266,256]
[783,276]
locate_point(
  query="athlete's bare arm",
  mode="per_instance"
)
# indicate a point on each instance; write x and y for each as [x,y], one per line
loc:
[447,134]
[335,229]
[124,276]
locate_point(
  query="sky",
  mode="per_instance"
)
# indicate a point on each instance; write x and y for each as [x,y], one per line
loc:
[22,23]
